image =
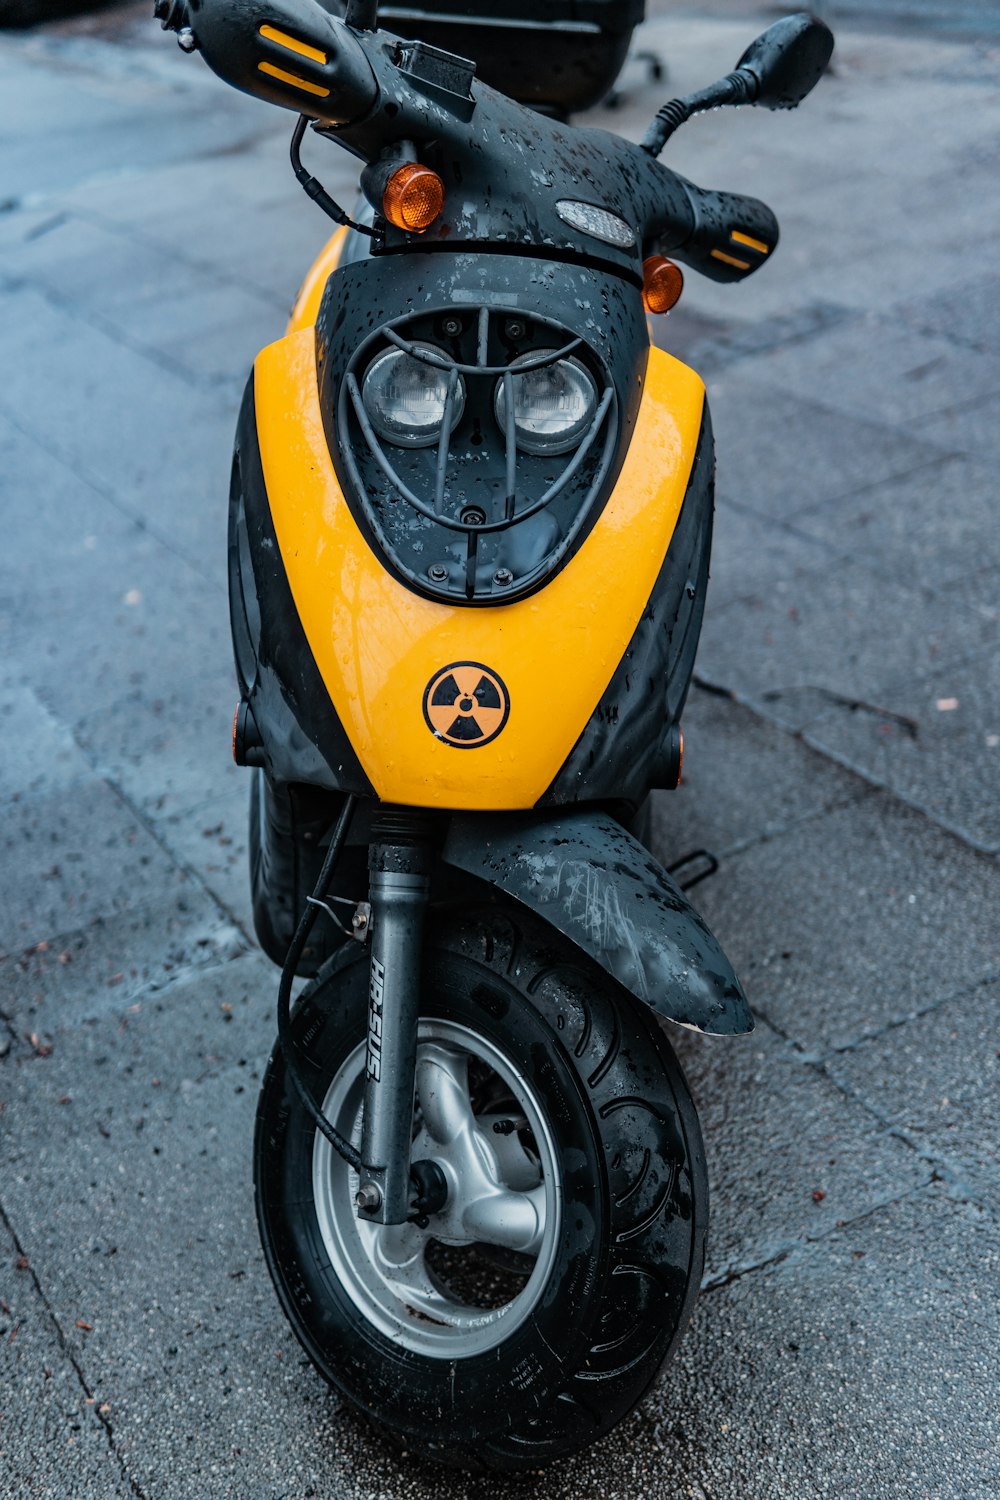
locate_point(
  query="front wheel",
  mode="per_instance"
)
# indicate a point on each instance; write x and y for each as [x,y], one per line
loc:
[529,1316]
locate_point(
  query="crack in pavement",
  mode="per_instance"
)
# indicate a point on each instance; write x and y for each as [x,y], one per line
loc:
[944,1171]
[792,1251]
[72,1359]
[719,690]
[893,1024]
[90,318]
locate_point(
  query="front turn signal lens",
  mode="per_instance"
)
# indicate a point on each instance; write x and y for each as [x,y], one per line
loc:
[662,284]
[413,197]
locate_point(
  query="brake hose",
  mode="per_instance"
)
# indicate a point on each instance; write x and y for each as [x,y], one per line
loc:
[317,192]
[286,1041]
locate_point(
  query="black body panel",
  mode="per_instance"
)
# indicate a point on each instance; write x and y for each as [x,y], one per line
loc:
[299,735]
[619,752]
[582,873]
[602,309]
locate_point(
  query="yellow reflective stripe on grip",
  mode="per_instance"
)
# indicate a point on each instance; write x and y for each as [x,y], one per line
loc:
[730,260]
[272,34]
[744,239]
[379,646]
[296,83]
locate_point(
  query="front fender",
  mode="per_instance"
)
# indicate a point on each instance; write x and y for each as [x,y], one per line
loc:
[582,873]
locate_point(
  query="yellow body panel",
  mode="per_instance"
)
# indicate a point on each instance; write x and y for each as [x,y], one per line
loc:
[378,645]
[306,309]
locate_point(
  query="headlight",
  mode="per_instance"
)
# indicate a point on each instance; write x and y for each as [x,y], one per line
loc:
[553,405]
[405,399]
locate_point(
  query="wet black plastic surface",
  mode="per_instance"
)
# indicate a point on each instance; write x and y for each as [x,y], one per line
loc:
[619,753]
[596,884]
[303,738]
[602,310]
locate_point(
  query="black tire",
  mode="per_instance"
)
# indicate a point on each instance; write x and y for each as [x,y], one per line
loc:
[627,1261]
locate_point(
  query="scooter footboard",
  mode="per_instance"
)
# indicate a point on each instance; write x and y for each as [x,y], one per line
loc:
[582,873]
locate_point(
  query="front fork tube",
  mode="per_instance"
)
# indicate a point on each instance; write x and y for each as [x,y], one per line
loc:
[400,887]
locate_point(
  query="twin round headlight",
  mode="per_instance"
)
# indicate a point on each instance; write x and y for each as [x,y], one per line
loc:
[406,400]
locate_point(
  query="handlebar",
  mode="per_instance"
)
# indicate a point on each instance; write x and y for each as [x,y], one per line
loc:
[506,169]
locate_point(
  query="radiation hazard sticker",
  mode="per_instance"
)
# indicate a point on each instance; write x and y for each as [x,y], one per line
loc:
[466,705]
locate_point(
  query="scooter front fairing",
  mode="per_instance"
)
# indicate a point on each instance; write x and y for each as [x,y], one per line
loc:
[379,647]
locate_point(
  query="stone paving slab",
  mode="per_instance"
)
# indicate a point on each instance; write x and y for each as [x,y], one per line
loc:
[210,838]
[40,755]
[54,866]
[855,920]
[935,742]
[936,1080]
[113,962]
[239,219]
[820,1161]
[849,631]
[185,755]
[750,554]
[141,464]
[846,1345]
[54,1443]
[144,607]
[205,327]
[875,368]
[783,453]
[54,515]
[863,1367]
[70,117]
[931,527]
[973,429]
[744,781]
[965,314]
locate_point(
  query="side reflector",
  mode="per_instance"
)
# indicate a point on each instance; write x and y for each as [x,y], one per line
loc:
[292,44]
[293,80]
[413,197]
[680,755]
[662,284]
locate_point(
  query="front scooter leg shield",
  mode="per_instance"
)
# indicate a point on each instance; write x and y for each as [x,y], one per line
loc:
[394,663]
[585,876]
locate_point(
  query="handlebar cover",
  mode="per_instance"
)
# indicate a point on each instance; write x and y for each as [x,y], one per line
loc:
[507,171]
[732,235]
[287,52]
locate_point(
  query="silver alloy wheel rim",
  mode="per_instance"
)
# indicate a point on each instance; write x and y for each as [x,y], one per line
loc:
[499,1193]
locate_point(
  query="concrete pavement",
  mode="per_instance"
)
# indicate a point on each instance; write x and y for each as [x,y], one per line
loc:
[843,759]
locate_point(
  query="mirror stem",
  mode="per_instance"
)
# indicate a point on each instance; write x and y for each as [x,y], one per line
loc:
[740,87]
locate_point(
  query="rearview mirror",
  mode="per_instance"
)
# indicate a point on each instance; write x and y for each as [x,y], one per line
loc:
[788,60]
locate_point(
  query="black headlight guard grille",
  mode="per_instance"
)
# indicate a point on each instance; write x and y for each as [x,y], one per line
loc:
[469,560]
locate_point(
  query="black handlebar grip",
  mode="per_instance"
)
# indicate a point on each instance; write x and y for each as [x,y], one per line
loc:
[732,237]
[288,52]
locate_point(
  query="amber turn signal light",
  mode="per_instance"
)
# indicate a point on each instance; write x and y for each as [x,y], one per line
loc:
[662,284]
[413,197]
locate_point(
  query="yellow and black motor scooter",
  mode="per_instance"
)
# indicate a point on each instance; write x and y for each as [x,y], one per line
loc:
[470,525]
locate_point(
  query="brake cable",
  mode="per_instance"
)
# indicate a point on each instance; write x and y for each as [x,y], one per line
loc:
[286,1040]
[317,192]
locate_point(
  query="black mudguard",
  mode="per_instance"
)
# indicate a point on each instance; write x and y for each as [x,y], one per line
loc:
[582,873]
